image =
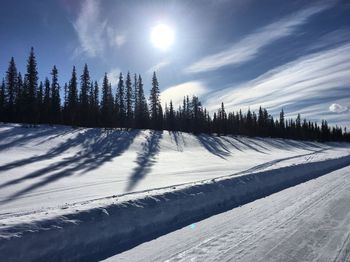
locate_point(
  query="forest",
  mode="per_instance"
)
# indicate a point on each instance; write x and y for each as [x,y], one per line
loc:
[23,99]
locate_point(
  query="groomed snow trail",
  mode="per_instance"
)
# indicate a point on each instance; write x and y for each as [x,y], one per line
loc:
[307,222]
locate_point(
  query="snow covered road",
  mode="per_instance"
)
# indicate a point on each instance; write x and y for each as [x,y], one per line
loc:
[307,222]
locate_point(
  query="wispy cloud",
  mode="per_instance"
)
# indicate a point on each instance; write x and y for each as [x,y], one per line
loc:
[248,48]
[90,29]
[93,32]
[312,81]
[176,93]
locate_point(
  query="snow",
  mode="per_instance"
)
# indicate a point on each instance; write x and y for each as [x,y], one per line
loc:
[308,222]
[51,166]
[82,189]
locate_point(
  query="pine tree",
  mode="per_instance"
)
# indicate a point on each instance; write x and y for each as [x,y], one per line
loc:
[128,98]
[31,82]
[107,103]
[73,99]
[171,117]
[120,101]
[96,104]
[55,98]
[135,95]
[11,89]
[20,99]
[155,106]
[142,114]
[84,96]
[2,101]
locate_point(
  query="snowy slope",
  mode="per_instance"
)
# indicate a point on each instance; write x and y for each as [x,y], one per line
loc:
[52,166]
[85,187]
[308,222]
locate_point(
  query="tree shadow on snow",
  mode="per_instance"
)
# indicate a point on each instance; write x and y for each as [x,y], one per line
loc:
[99,147]
[145,159]
[214,145]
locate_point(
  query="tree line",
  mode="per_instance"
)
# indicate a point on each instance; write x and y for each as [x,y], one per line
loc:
[23,99]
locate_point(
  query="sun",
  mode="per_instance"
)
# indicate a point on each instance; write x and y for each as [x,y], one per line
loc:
[162,36]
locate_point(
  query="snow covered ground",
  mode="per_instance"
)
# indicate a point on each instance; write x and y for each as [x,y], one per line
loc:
[308,222]
[79,187]
[53,166]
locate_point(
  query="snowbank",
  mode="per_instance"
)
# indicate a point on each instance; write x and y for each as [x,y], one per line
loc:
[99,232]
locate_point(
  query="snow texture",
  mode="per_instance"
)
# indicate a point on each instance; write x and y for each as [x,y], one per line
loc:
[85,194]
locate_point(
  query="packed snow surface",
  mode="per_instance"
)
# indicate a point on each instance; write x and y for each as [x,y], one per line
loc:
[92,192]
[308,222]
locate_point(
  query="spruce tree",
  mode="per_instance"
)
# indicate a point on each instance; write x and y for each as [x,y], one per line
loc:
[128,98]
[135,95]
[120,100]
[96,104]
[11,90]
[20,99]
[142,114]
[2,101]
[73,99]
[55,97]
[155,106]
[84,96]
[106,103]
[31,82]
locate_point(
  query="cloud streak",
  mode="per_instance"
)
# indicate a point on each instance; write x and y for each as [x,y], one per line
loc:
[248,48]
[90,29]
[306,85]
[93,33]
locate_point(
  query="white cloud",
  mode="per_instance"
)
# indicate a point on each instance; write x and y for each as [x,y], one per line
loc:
[90,29]
[176,93]
[93,33]
[249,47]
[314,77]
[336,108]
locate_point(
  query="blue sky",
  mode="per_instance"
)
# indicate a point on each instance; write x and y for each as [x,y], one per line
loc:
[247,53]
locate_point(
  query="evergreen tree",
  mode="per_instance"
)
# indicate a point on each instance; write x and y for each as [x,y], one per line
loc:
[20,99]
[11,89]
[171,117]
[31,82]
[2,101]
[135,95]
[155,106]
[128,98]
[73,99]
[120,101]
[46,102]
[55,97]
[107,103]
[142,114]
[84,96]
